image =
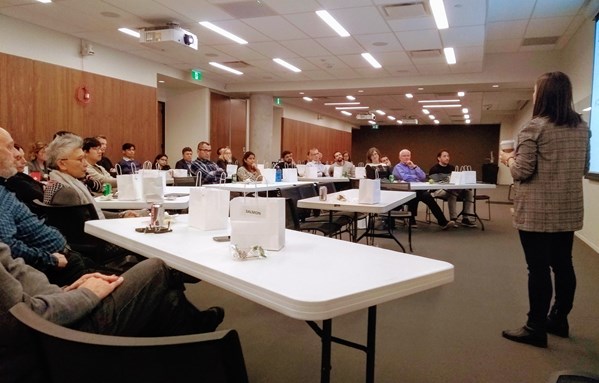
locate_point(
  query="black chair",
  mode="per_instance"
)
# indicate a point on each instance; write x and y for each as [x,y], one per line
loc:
[184,181]
[297,218]
[573,376]
[71,356]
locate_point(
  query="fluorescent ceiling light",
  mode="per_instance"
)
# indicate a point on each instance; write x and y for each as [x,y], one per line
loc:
[351,107]
[466,116]
[306,98]
[461,94]
[371,60]
[391,118]
[495,86]
[334,24]
[372,122]
[436,122]
[287,65]
[380,112]
[439,14]
[467,121]
[222,32]
[130,32]
[433,101]
[465,110]
[445,106]
[449,56]
[425,111]
[342,103]
[45,1]
[586,109]
[399,122]
[223,67]
[350,97]
[409,95]
[431,116]
[346,112]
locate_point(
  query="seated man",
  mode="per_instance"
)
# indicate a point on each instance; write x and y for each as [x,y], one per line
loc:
[209,171]
[92,149]
[186,160]
[128,164]
[443,169]
[105,161]
[24,186]
[146,301]
[315,160]
[408,171]
[348,169]
[286,161]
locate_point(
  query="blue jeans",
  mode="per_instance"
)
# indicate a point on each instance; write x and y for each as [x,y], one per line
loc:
[149,302]
[546,252]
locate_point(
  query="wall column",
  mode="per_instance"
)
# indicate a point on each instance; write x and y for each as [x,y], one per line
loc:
[265,139]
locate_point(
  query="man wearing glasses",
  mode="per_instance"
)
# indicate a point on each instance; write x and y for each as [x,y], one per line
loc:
[209,171]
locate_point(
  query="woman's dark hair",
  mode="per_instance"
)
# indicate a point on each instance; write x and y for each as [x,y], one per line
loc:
[90,142]
[159,157]
[554,99]
[370,152]
[127,146]
[245,157]
[348,155]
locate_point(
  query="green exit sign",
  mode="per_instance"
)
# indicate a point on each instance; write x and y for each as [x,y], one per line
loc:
[278,101]
[196,75]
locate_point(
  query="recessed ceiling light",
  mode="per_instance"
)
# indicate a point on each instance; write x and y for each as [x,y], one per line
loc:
[380,112]
[350,97]
[391,118]
[439,14]
[461,94]
[161,81]
[372,122]
[346,112]
[465,110]
[306,98]
[425,111]
[495,86]
[342,103]
[301,92]
[466,116]
[287,65]
[399,122]
[371,60]
[586,109]
[45,1]
[420,88]
[130,32]
[222,32]
[360,91]
[436,122]
[334,24]
[431,116]
[467,121]
[409,95]
[224,67]
[449,56]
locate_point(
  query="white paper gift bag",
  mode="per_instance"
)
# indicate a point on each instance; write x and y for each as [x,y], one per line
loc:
[231,169]
[301,170]
[128,185]
[468,175]
[153,184]
[269,175]
[290,175]
[179,173]
[311,172]
[337,171]
[208,208]
[456,178]
[360,171]
[258,221]
[370,191]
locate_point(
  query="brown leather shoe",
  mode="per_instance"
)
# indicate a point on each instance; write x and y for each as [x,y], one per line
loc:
[527,335]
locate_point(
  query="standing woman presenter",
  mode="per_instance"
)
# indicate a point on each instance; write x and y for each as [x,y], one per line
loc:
[550,160]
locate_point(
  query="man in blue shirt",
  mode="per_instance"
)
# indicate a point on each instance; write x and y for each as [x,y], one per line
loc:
[209,171]
[129,164]
[408,171]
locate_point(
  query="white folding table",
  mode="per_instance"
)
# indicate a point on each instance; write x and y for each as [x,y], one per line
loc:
[312,278]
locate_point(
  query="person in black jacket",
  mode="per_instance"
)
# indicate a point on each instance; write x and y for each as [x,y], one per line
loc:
[24,186]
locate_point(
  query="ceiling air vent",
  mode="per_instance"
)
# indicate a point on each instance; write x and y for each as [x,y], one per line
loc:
[236,64]
[406,11]
[425,53]
[549,40]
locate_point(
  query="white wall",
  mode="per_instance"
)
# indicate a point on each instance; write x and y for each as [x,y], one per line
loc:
[298,114]
[577,62]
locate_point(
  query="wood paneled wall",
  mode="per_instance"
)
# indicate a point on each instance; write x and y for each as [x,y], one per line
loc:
[228,124]
[299,137]
[467,144]
[37,99]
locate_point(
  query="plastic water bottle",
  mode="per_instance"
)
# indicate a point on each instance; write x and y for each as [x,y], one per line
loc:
[278,175]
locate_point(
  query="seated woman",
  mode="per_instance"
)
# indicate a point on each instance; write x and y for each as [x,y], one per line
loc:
[67,159]
[92,149]
[161,162]
[248,169]
[37,160]
[225,158]
[375,168]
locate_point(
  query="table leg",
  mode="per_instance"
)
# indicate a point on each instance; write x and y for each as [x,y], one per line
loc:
[325,361]
[371,344]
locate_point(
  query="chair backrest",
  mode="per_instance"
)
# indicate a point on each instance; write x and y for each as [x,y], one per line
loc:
[294,195]
[184,181]
[72,355]
[70,221]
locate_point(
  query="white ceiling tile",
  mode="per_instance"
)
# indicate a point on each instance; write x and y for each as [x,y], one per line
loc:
[241,52]
[393,58]
[552,8]
[239,29]
[329,63]
[306,48]
[272,49]
[465,12]
[415,24]
[359,21]
[467,67]
[419,40]
[293,6]
[380,42]
[537,48]
[340,45]
[503,30]
[333,4]
[311,24]
[552,26]
[470,54]
[355,61]
[500,10]
[276,27]
[319,75]
[344,74]
[463,36]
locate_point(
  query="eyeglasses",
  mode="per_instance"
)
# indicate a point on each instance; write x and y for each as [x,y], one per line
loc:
[205,150]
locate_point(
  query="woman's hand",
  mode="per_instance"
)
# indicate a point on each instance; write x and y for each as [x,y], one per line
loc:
[505,157]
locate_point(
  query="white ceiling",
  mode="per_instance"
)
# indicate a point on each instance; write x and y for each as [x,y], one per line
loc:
[480,31]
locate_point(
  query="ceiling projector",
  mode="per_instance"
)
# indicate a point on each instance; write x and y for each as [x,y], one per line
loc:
[167,36]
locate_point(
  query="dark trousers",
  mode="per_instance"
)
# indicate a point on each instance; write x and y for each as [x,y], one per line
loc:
[426,197]
[149,302]
[546,252]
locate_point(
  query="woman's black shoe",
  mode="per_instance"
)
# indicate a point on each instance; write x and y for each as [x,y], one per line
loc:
[527,335]
[559,328]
